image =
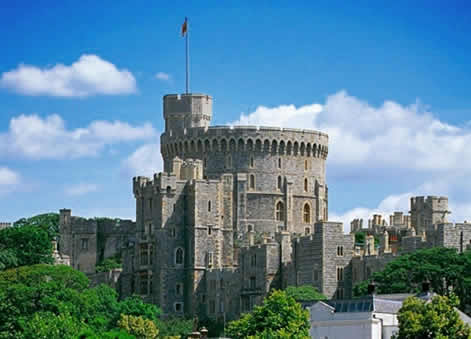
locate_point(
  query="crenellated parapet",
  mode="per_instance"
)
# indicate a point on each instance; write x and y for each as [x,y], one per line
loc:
[284,141]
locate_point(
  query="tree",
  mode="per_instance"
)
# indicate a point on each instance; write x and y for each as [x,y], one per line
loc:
[108,265]
[28,245]
[443,267]
[47,325]
[43,290]
[49,222]
[138,326]
[435,319]
[177,327]
[304,293]
[280,316]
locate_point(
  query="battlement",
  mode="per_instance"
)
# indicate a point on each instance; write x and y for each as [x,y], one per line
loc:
[431,201]
[182,111]
[196,141]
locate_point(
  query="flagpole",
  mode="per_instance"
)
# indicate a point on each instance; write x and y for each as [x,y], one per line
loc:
[187,50]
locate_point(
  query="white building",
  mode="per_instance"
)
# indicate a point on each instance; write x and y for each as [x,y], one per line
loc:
[372,317]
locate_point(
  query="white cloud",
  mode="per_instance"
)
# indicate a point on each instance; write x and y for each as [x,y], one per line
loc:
[361,135]
[162,76]
[81,189]
[34,137]
[9,180]
[90,75]
[145,161]
[388,139]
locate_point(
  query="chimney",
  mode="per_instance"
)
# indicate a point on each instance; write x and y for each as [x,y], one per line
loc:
[372,288]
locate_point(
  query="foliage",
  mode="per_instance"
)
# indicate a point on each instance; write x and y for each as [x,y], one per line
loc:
[360,238]
[280,316]
[138,326]
[20,246]
[39,290]
[49,222]
[443,267]
[304,293]
[47,325]
[435,319]
[108,265]
[174,326]
[134,306]
[214,326]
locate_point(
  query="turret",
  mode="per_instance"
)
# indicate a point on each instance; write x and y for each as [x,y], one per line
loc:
[183,111]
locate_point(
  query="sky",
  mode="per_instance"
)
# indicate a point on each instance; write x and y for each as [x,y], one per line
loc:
[81,87]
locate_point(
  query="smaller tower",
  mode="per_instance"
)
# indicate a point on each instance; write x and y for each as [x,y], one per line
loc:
[182,111]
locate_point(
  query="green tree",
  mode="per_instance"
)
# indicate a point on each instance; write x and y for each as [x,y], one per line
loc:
[49,222]
[20,246]
[304,293]
[47,325]
[435,319]
[138,326]
[280,316]
[108,265]
[175,326]
[443,267]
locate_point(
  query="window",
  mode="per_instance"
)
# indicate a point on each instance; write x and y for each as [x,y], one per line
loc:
[144,281]
[316,275]
[307,230]
[306,185]
[307,213]
[249,228]
[212,306]
[179,256]
[280,183]
[253,260]
[149,228]
[251,162]
[209,205]
[228,163]
[252,181]
[340,251]
[174,206]
[212,284]
[173,232]
[221,283]
[340,293]
[305,165]
[339,273]
[151,254]
[144,254]
[150,205]
[179,289]
[178,307]
[84,244]
[221,306]
[210,259]
[253,282]
[209,230]
[279,162]
[280,213]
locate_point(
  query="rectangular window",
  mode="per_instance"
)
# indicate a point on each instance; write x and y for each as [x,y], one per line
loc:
[144,280]
[210,259]
[340,251]
[253,260]
[84,244]
[212,306]
[179,289]
[178,307]
[144,254]
[253,282]
[339,273]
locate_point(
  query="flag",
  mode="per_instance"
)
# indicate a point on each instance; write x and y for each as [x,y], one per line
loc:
[185,27]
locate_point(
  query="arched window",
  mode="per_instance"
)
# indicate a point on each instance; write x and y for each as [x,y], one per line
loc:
[252,181]
[251,162]
[305,165]
[179,256]
[209,205]
[306,185]
[280,183]
[279,162]
[307,214]
[280,213]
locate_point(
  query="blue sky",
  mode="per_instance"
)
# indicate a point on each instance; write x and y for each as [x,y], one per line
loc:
[81,102]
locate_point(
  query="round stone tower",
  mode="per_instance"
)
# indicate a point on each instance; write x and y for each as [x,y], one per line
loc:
[279,173]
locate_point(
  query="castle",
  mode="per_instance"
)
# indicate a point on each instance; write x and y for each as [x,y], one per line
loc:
[238,211]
